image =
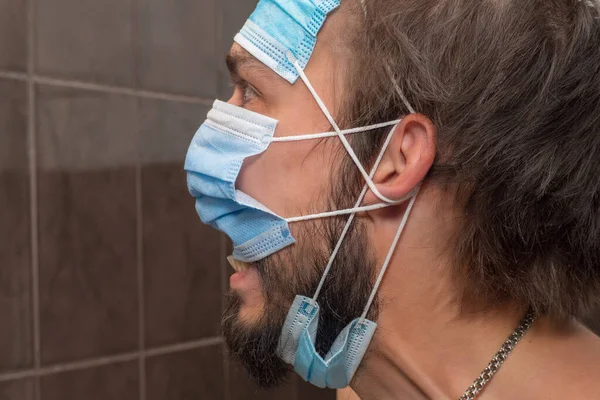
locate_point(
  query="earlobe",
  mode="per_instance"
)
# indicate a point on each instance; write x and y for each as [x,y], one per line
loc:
[407,160]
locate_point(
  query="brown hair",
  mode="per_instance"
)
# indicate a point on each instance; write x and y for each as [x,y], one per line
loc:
[513,87]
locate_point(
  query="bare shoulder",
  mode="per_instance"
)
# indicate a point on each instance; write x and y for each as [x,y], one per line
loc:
[588,372]
[573,370]
[555,360]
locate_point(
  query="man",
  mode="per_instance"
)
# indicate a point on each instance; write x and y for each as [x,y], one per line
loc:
[462,217]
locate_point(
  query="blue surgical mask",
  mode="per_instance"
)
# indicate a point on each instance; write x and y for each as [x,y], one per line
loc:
[297,348]
[277,27]
[214,159]
[282,34]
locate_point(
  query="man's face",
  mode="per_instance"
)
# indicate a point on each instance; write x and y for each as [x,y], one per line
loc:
[292,179]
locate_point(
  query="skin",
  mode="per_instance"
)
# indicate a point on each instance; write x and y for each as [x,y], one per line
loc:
[426,345]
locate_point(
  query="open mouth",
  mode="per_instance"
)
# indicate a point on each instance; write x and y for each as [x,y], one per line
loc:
[238,266]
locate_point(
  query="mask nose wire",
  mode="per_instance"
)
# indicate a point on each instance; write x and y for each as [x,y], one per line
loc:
[345,142]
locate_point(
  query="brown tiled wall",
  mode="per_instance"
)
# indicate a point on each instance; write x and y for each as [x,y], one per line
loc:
[110,288]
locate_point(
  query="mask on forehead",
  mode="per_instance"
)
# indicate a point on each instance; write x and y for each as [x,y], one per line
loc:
[279,27]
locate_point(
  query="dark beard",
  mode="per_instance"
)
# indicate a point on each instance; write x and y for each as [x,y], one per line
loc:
[297,271]
[254,346]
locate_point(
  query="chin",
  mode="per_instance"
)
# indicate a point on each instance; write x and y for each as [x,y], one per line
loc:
[250,315]
[252,335]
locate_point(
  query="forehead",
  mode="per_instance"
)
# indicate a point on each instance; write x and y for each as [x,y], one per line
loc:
[280,28]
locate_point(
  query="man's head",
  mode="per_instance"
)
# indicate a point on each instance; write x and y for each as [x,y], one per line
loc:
[297,179]
[511,194]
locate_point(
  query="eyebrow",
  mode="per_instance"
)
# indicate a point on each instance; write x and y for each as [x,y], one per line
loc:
[238,61]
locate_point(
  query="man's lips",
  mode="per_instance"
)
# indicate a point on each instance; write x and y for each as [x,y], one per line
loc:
[245,277]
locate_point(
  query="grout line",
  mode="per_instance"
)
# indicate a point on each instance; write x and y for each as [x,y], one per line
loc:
[120,90]
[175,348]
[139,211]
[98,87]
[16,375]
[114,359]
[67,367]
[33,201]
[140,273]
[18,76]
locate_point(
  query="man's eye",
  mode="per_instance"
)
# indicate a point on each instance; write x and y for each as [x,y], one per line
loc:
[248,93]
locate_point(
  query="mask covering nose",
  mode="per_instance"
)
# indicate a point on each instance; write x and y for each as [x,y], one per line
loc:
[215,156]
[214,159]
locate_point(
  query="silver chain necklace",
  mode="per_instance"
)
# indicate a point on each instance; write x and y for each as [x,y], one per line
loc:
[508,346]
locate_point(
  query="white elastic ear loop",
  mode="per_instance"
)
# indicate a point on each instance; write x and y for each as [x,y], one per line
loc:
[357,208]
[364,7]
[398,90]
[345,142]
[351,219]
[337,213]
[388,258]
[312,136]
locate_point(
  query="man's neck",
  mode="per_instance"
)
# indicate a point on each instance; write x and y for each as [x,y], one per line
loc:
[425,341]
[437,358]
[427,346]
[431,355]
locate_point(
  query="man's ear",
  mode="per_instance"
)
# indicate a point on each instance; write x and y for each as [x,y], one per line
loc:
[407,160]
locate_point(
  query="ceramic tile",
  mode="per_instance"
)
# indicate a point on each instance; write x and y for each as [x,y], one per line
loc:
[107,382]
[87,223]
[235,13]
[15,250]
[181,256]
[21,389]
[85,40]
[190,375]
[182,262]
[167,128]
[177,46]
[13,35]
